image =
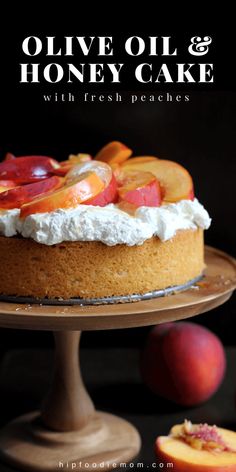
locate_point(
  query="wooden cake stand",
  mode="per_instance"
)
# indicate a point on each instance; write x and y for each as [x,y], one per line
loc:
[68,430]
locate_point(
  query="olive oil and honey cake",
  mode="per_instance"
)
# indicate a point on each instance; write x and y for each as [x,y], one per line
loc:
[88,227]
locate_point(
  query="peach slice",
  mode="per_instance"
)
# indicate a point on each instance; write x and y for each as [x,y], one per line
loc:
[198,448]
[139,189]
[114,152]
[28,169]
[6,185]
[108,195]
[102,169]
[18,196]
[139,160]
[86,186]
[9,156]
[3,189]
[116,169]
[174,178]
[79,158]
[66,166]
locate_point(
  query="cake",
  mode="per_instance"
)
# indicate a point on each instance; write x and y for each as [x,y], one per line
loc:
[110,226]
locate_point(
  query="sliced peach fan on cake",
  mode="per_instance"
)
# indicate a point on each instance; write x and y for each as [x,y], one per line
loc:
[119,241]
[139,181]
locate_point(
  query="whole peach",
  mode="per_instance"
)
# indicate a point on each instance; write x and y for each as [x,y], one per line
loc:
[183,362]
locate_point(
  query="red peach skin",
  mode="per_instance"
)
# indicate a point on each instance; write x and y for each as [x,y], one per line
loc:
[9,156]
[183,362]
[27,169]
[7,183]
[108,195]
[139,188]
[88,185]
[18,196]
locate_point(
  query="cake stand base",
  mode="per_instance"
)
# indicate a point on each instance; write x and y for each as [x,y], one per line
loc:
[68,433]
[102,444]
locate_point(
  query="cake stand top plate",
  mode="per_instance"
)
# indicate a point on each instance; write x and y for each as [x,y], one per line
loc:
[216,287]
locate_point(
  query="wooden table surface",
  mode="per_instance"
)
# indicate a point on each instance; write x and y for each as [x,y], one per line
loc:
[113,380]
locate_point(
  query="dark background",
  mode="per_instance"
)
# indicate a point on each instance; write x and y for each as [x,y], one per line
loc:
[199,134]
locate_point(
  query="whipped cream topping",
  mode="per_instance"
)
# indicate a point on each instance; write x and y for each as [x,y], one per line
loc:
[109,224]
[8,222]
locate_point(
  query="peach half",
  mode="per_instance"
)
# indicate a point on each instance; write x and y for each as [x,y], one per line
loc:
[197,448]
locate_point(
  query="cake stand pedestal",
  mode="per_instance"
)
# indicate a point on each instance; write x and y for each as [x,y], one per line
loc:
[68,433]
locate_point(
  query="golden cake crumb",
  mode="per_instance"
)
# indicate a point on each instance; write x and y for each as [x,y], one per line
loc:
[92,269]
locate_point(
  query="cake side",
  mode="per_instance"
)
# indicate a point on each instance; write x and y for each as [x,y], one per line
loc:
[92,269]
